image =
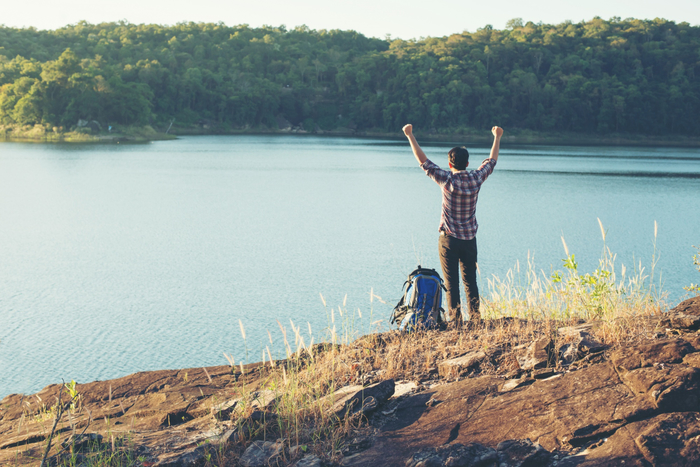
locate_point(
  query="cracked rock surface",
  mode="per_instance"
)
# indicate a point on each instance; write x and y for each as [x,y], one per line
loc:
[637,404]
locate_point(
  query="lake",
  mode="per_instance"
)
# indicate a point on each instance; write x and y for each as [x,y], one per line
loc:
[123,258]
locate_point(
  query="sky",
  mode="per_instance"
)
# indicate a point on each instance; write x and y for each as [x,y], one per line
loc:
[405,19]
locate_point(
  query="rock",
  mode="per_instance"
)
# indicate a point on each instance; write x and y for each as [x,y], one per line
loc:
[229,437]
[614,408]
[663,351]
[543,373]
[262,453]
[639,404]
[692,359]
[510,453]
[142,404]
[454,455]
[369,404]
[569,411]
[568,354]
[537,355]
[663,440]
[223,411]
[521,453]
[455,367]
[671,438]
[263,399]
[308,460]
[669,387]
[404,388]
[186,458]
[689,307]
[686,315]
[357,444]
[580,342]
[516,383]
[352,399]
[260,402]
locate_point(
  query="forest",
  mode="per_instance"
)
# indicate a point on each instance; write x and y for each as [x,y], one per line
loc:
[595,77]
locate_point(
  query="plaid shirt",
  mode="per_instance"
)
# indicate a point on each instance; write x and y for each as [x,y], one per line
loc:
[459,194]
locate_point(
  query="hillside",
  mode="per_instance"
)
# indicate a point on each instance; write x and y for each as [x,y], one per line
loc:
[596,79]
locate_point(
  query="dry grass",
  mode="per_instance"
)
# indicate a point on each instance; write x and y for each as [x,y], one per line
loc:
[292,398]
[524,306]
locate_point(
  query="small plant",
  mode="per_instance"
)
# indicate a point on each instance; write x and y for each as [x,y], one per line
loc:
[73,393]
[607,293]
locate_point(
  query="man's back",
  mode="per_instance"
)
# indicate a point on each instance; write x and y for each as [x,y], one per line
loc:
[460,192]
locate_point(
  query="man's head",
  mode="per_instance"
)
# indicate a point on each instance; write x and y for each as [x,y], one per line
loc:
[458,158]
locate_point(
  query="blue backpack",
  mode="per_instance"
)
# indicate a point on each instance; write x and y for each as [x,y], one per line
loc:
[420,306]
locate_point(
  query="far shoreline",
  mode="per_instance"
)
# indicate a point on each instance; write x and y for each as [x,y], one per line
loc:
[517,136]
[470,137]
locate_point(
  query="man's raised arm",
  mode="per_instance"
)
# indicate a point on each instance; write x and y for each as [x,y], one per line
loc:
[497,133]
[417,151]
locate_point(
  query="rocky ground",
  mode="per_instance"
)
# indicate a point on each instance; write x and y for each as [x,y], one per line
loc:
[564,399]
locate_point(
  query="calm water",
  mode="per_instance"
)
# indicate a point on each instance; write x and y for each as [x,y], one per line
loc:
[116,259]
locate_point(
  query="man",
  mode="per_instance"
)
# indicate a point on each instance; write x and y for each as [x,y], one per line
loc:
[457,245]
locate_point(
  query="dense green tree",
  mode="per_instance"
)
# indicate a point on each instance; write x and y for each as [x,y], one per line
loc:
[599,76]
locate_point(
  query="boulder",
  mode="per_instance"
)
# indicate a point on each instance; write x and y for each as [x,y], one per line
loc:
[405,387]
[453,455]
[662,351]
[353,399]
[536,355]
[456,367]
[521,453]
[262,453]
[579,342]
[308,460]
[692,359]
[568,353]
[686,315]
[643,403]
[669,387]
[183,458]
[223,410]
[689,307]
[516,383]
[664,440]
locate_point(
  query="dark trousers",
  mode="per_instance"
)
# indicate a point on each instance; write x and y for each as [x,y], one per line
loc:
[456,254]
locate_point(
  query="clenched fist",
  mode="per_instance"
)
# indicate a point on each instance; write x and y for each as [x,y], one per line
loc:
[408,130]
[497,131]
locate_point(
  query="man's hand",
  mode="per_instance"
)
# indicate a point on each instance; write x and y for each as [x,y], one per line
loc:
[408,130]
[497,131]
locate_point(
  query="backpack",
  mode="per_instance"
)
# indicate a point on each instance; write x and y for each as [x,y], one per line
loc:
[420,306]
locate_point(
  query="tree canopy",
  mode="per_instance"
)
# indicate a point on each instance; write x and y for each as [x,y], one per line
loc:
[599,76]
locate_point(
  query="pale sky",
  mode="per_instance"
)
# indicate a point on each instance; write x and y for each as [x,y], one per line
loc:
[376,18]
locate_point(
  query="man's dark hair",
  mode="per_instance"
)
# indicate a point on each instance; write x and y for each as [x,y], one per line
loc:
[458,157]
